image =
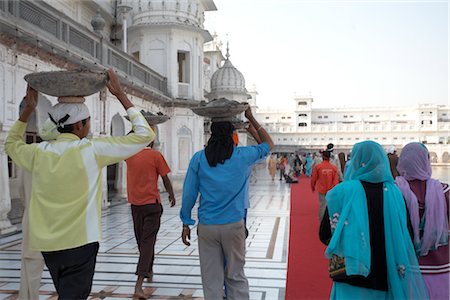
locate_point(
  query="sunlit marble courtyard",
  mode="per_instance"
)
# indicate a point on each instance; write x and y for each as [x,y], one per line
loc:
[177,271]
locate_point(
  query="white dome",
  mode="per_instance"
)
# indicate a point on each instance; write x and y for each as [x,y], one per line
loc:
[228,78]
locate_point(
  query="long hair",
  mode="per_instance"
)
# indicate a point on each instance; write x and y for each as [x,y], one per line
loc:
[220,145]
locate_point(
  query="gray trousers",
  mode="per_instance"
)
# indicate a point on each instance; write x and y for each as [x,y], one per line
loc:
[218,244]
[322,205]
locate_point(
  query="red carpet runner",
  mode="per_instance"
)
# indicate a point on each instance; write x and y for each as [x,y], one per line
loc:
[307,275]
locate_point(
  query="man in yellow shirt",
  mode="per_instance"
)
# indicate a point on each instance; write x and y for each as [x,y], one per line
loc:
[65,206]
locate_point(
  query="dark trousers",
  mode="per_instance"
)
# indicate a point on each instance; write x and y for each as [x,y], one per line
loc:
[72,270]
[146,220]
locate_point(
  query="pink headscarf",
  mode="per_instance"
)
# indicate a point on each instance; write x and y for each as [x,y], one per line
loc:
[414,163]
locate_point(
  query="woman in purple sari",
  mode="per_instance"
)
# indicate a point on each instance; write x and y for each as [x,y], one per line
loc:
[427,200]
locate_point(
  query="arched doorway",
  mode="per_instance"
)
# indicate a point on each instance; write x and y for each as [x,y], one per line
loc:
[445,157]
[184,135]
[433,157]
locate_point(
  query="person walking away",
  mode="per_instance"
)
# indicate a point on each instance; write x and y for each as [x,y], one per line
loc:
[65,205]
[291,161]
[428,204]
[365,223]
[317,159]
[282,166]
[308,165]
[32,262]
[393,161]
[341,157]
[334,159]
[272,166]
[297,165]
[324,178]
[143,171]
[219,174]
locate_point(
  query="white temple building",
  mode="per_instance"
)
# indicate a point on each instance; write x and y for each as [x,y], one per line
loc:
[156,46]
[308,129]
[229,83]
[168,62]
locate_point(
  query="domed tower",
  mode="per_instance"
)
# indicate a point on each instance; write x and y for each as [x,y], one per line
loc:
[228,82]
[168,36]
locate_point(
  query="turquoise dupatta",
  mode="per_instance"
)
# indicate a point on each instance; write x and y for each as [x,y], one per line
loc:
[347,207]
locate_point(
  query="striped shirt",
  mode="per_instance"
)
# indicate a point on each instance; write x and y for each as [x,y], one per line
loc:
[65,206]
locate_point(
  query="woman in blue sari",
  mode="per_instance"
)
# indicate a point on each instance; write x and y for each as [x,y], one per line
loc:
[368,227]
[308,165]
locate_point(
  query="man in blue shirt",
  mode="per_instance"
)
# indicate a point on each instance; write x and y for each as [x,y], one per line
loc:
[219,173]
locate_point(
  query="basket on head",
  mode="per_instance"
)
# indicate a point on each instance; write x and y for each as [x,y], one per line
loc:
[153,119]
[79,83]
[220,108]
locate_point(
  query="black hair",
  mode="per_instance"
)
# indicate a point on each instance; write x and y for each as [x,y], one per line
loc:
[70,127]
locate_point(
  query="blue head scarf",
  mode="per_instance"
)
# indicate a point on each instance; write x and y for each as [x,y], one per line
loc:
[369,163]
[347,206]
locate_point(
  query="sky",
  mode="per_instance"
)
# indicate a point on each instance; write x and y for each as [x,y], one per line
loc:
[342,53]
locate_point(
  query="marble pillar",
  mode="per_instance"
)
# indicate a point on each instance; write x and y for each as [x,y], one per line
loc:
[5,198]
[121,180]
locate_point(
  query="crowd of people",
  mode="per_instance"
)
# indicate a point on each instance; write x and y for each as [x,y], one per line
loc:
[383,218]
[386,226]
[62,210]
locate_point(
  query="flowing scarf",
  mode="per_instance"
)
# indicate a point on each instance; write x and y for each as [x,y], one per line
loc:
[414,163]
[347,206]
[220,145]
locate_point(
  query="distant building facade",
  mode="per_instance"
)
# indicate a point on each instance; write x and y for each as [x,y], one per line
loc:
[308,129]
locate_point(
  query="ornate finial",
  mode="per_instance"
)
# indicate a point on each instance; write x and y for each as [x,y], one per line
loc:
[228,50]
[97,22]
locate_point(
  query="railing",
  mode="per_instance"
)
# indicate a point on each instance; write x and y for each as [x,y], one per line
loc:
[36,18]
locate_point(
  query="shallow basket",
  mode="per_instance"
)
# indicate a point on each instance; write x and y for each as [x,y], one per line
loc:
[221,108]
[67,83]
[152,119]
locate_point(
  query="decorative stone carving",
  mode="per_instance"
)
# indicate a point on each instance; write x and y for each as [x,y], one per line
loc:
[184,131]
[98,23]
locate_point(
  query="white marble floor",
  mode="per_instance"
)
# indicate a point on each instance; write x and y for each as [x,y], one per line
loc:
[177,271]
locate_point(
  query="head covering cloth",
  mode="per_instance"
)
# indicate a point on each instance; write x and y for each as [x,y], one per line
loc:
[220,145]
[391,149]
[48,131]
[369,163]
[347,206]
[414,164]
[63,114]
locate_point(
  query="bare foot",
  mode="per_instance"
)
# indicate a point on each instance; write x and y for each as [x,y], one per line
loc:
[139,293]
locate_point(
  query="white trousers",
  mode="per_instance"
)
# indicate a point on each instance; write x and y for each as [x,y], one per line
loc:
[222,257]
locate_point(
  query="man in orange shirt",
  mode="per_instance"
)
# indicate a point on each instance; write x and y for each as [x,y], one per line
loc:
[324,178]
[143,170]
